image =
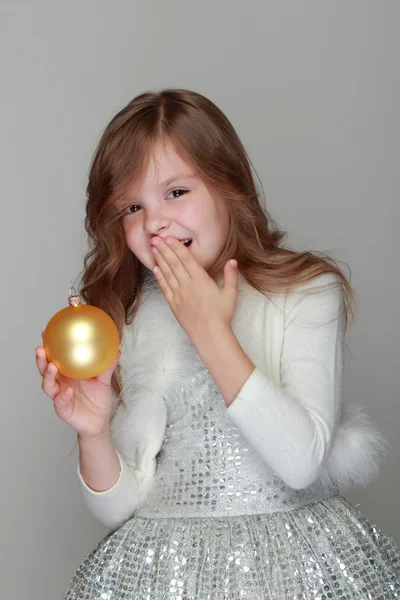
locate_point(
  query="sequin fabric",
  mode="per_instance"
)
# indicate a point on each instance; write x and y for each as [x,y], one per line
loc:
[219,524]
[207,468]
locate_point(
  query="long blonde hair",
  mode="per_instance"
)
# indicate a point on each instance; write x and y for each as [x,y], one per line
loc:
[204,137]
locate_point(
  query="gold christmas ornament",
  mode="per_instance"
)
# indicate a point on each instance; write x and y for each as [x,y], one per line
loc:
[81,340]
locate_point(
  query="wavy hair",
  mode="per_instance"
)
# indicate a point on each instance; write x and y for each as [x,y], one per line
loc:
[204,137]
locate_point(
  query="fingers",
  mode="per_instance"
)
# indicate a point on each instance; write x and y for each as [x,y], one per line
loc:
[48,371]
[50,385]
[41,359]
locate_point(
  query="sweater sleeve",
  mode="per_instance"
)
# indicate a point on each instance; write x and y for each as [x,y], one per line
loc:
[117,504]
[293,425]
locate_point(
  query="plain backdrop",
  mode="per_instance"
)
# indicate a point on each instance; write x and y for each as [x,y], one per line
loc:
[311,87]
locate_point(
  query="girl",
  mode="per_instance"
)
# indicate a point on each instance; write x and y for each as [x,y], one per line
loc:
[216,446]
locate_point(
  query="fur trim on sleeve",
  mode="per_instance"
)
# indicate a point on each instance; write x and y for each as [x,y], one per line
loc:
[357,452]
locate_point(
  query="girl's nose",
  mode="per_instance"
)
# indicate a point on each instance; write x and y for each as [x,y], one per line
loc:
[155,224]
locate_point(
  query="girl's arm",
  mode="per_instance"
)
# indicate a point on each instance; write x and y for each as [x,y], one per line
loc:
[110,488]
[293,425]
[98,462]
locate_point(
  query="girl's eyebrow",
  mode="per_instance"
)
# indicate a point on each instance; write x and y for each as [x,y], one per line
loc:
[177,176]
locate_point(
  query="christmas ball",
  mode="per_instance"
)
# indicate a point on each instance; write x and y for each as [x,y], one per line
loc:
[81,340]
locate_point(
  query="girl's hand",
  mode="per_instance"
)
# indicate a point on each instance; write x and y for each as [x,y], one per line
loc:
[194,297]
[84,404]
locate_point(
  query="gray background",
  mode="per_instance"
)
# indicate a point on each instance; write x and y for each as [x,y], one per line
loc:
[313,90]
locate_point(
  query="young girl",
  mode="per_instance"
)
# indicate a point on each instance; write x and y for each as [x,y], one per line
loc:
[216,446]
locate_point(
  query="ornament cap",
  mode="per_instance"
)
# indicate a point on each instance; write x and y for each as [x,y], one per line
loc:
[74,298]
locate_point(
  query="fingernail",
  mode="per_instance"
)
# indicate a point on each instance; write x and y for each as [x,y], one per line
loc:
[233,263]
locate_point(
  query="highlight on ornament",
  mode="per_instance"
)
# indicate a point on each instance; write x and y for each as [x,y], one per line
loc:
[81,340]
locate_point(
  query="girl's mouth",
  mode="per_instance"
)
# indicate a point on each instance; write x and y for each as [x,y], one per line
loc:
[186,242]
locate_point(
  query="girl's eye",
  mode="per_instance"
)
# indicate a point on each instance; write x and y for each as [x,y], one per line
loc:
[171,192]
[178,190]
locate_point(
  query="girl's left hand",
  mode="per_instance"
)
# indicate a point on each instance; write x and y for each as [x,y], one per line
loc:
[195,299]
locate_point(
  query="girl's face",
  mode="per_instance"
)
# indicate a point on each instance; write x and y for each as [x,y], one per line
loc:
[173,201]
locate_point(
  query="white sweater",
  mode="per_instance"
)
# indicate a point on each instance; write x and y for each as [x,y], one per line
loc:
[290,407]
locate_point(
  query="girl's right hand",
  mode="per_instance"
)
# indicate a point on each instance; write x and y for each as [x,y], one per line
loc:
[84,404]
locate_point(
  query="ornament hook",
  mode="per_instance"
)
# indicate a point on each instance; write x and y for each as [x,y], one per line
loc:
[74,299]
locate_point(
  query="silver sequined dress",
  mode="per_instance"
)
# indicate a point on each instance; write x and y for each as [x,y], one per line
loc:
[219,525]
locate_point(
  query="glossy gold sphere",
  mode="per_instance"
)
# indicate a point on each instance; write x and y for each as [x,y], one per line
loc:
[82,341]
